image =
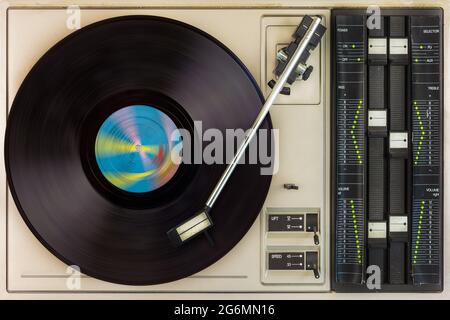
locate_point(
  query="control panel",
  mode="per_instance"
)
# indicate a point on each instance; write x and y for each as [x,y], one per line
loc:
[291,246]
[387,169]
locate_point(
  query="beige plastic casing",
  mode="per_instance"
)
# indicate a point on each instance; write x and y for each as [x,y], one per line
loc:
[253,32]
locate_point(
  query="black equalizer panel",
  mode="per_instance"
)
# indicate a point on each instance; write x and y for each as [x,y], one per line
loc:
[388,128]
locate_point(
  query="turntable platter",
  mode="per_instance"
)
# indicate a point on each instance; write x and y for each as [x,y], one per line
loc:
[120,79]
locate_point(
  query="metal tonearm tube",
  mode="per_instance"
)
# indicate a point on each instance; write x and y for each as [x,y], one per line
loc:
[309,33]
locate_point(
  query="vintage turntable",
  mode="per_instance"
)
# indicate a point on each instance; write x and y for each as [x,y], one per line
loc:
[87,211]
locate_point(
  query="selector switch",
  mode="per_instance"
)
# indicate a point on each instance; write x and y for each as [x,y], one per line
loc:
[398,51]
[312,225]
[312,262]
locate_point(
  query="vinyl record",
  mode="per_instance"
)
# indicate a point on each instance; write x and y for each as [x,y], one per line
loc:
[87,145]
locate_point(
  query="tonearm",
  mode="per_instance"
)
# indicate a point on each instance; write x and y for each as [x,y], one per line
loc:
[292,65]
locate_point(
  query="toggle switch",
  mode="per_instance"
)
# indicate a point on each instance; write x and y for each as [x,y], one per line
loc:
[312,225]
[312,263]
[290,186]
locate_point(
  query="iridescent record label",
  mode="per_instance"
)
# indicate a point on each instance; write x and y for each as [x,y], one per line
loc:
[133,148]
